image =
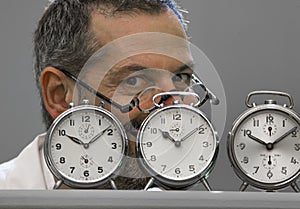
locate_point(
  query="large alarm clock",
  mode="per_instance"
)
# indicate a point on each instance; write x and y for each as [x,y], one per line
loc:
[177,145]
[264,144]
[85,147]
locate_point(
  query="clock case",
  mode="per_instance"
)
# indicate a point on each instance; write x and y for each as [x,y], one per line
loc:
[169,184]
[62,179]
[253,108]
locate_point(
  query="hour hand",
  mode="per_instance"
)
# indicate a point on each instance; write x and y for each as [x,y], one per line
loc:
[74,139]
[256,139]
[166,135]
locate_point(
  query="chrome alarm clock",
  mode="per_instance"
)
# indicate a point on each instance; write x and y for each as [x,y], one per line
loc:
[85,147]
[264,144]
[177,145]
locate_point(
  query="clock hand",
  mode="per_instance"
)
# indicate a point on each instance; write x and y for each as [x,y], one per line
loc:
[166,135]
[189,134]
[284,135]
[176,129]
[95,138]
[257,139]
[87,129]
[85,160]
[270,161]
[270,130]
[74,139]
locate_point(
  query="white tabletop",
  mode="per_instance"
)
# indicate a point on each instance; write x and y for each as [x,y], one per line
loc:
[89,199]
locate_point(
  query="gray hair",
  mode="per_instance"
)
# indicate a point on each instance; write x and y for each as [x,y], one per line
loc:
[63,37]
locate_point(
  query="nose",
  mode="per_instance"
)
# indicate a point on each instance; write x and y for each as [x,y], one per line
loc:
[166,84]
[171,99]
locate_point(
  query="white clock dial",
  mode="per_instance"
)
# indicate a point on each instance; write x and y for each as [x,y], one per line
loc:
[177,144]
[85,146]
[265,147]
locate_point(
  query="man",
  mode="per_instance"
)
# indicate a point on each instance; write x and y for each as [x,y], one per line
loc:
[68,34]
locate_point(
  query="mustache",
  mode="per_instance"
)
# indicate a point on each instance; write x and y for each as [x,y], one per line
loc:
[132,176]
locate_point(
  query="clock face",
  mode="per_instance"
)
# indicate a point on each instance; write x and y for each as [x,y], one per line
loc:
[177,144]
[265,147]
[85,146]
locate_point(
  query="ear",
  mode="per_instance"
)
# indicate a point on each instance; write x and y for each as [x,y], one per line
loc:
[57,91]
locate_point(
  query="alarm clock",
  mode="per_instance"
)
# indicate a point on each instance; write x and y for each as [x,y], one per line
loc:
[177,145]
[264,144]
[85,147]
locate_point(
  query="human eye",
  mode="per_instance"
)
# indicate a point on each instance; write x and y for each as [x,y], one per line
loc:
[134,83]
[182,78]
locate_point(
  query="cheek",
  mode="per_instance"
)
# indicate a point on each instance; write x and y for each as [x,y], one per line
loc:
[134,116]
[135,113]
[137,116]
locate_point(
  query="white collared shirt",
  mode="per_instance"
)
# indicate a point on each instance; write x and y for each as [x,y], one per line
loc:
[28,170]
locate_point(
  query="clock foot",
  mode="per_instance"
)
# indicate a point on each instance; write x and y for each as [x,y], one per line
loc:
[113,185]
[149,184]
[295,187]
[206,185]
[58,184]
[244,186]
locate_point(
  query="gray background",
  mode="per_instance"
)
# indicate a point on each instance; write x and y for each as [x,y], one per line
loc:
[254,44]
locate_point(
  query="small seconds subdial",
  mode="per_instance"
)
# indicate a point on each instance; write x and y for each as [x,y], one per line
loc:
[86,161]
[269,162]
[270,129]
[176,129]
[86,130]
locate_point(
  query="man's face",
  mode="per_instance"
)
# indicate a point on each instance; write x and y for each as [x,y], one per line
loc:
[128,78]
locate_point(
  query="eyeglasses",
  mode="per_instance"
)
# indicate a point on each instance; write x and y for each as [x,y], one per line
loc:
[145,100]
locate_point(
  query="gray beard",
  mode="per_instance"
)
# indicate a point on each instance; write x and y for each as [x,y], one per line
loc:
[131,177]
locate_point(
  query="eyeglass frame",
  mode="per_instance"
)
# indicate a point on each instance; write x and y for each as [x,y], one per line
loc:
[135,101]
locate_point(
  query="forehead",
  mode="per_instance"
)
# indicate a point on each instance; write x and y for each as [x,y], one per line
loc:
[153,41]
[109,28]
[155,52]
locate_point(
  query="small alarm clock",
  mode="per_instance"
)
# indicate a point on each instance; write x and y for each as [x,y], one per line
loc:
[177,145]
[85,147]
[264,144]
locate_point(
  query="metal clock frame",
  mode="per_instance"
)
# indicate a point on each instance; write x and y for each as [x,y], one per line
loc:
[167,183]
[246,178]
[62,179]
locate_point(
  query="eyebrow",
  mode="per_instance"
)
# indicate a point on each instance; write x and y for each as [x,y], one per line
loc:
[130,68]
[135,68]
[120,72]
[189,65]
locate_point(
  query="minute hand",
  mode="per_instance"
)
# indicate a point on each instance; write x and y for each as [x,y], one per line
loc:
[189,134]
[98,135]
[285,135]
